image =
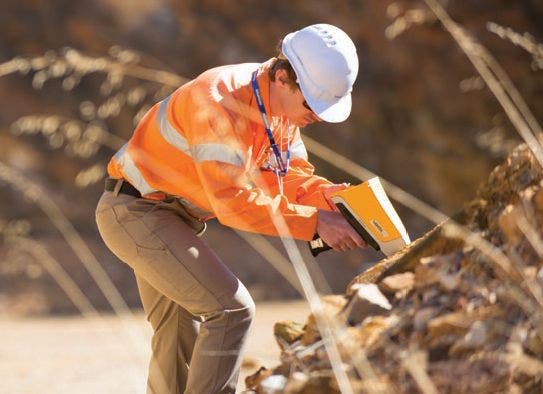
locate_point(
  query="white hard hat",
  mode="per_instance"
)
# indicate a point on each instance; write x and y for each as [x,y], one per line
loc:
[325,62]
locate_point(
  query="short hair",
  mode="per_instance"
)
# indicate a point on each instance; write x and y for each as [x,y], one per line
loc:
[282,63]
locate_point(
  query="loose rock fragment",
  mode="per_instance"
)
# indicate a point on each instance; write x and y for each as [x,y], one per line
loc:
[483,374]
[367,301]
[333,307]
[287,332]
[317,382]
[439,269]
[538,203]
[252,381]
[508,223]
[423,316]
[399,282]
[475,338]
[274,384]
[534,342]
[296,383]
[458,323]
[371,330]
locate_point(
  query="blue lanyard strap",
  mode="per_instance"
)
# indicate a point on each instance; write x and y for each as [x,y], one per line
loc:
[282,165]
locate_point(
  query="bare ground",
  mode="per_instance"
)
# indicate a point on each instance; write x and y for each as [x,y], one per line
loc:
[108,354]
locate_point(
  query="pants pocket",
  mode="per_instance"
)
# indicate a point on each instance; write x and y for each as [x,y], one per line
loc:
[140,229]
[175,206]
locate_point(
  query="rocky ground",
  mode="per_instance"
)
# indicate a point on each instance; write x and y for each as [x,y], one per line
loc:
[447,314]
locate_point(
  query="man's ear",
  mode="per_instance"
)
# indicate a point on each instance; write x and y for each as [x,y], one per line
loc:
[281,77]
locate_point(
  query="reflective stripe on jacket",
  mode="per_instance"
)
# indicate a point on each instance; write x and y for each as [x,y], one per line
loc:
[206,143]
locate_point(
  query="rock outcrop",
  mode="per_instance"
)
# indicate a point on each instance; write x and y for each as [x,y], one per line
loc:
[446,314]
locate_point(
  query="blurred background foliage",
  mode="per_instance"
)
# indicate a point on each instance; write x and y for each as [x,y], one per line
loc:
[421,117]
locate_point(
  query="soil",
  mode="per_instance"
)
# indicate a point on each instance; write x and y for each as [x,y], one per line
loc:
[109,354]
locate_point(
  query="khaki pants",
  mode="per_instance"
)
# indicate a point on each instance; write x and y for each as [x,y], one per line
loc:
[200,312]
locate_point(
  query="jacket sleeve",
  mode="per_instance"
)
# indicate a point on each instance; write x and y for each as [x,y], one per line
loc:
[300,184]
[221,157]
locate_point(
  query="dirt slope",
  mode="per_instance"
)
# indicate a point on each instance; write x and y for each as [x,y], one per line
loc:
[446,314]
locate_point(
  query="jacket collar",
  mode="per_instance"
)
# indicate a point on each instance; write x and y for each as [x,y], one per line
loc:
[263,80]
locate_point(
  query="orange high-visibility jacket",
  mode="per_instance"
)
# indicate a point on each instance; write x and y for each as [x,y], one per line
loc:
[206,143]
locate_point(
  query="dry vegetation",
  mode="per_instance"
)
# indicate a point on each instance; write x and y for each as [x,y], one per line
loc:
[461,304]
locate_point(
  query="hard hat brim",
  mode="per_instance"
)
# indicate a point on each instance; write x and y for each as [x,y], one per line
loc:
[332,112]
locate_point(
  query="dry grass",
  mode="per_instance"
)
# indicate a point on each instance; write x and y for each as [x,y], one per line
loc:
[83,137]
[525,41]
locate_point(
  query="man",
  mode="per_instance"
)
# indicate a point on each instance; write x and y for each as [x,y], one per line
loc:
[226,145]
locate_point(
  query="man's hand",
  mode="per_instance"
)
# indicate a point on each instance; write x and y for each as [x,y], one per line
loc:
[337,232]
[334,189]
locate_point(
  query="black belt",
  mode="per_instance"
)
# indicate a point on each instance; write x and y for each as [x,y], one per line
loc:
[126,188]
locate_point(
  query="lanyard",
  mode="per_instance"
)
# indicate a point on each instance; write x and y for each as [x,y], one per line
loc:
[282,166]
